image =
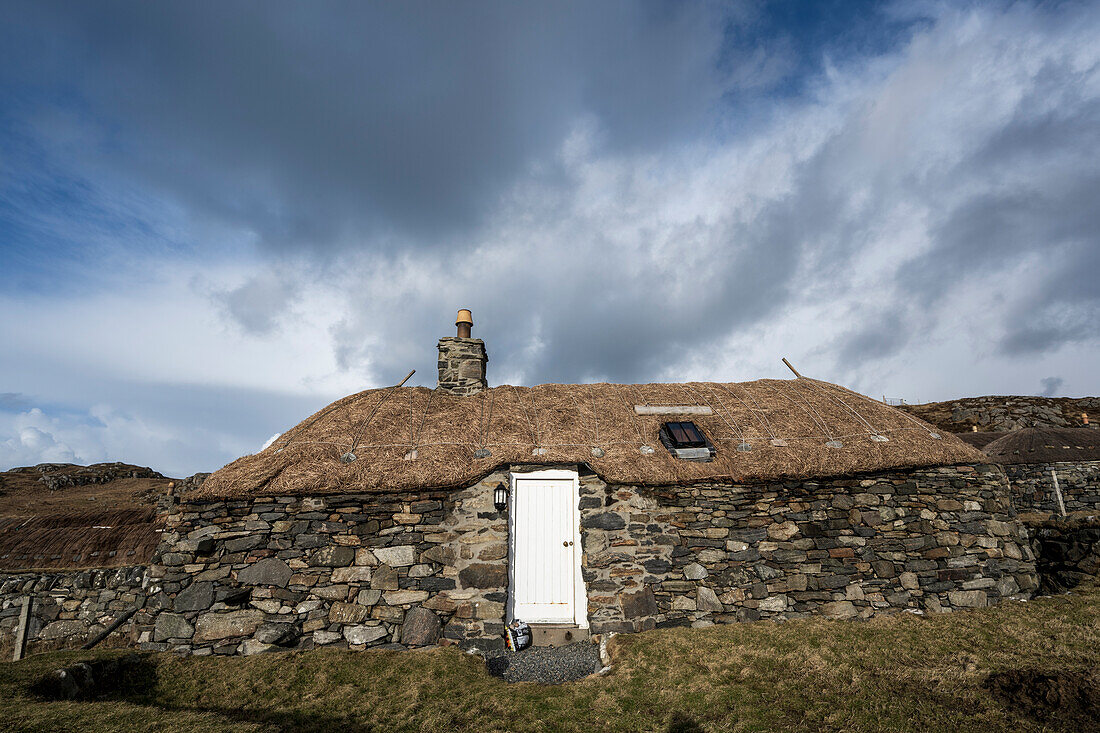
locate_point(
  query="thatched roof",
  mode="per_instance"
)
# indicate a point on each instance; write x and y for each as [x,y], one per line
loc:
[63,516]
[979,439]
[1046,445]
[95,539]
[410,438]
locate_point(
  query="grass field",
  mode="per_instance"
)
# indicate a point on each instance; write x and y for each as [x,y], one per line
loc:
[1020,666]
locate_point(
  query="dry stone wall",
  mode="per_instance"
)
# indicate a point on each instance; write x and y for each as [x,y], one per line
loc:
[392,570]
[1068,551]
[68,607]
[1033,487]
[412,569]
[922,540]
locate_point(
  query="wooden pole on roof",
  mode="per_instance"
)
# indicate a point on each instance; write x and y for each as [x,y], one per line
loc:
[407,377]
[792,368]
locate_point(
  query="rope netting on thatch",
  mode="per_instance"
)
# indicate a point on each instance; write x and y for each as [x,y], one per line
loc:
[396,439]
[98,539]
[1045,445]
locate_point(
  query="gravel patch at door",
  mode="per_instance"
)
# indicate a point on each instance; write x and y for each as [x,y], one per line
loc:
[548,665]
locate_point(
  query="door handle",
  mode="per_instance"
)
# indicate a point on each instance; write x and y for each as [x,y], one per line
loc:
[567,544]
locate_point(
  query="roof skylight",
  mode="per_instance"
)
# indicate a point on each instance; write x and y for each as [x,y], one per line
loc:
[686,441]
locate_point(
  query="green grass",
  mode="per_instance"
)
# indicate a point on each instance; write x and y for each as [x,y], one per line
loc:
[898,673]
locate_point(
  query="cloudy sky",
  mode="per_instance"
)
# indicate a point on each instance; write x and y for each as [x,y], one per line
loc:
[216,217]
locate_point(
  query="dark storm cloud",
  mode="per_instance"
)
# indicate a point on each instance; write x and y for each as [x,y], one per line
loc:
[878,336]
[619,191]
[257,305]
[315,128]
[1051,385]
[1037,199]
[14,401]
[1021,186]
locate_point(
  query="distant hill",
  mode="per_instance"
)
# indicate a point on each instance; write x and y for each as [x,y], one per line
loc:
[62,487]
[1002,413]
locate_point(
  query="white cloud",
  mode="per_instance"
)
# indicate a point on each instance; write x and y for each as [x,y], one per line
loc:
[30,444]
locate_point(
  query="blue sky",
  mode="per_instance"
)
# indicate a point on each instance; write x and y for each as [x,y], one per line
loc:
[215,218]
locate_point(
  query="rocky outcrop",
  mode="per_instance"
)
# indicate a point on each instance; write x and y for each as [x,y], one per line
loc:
[56,476]
[1003,414]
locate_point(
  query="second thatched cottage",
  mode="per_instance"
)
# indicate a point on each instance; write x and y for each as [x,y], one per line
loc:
[406,516]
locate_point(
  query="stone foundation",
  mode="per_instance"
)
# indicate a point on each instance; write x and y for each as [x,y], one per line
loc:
[1033,487]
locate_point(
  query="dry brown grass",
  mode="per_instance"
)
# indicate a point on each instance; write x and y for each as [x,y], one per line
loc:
[555,423]
[899,673]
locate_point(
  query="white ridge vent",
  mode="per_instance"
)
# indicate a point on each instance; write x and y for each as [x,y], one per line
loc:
[672,410]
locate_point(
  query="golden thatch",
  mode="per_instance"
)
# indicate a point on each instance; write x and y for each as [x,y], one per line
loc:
[412,438]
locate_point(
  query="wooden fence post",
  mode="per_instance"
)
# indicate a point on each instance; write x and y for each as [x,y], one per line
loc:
[21,630]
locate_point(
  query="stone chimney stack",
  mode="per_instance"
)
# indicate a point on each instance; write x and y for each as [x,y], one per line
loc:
[462,360]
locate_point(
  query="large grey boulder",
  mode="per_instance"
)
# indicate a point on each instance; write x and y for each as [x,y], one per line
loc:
[483,575]
[695,571]
[333,556]
[64,630]
[171,626]
[396,557]
[707,600]
[242,544]
[281,633]
[364,634]
[638,604]
[214,626]
[605,520]
[421,627]
[270,571]
[195,597]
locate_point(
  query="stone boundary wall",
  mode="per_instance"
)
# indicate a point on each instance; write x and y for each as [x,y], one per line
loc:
[381,570]
[1033,488]
[921,540]
[69,607]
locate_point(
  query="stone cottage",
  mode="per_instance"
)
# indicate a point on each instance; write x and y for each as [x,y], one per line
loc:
[406,516]
[1054,470]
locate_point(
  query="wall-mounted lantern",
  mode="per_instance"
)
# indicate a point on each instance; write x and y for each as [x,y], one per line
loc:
[500,497]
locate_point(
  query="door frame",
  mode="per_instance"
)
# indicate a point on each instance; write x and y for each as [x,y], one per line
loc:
[580,594]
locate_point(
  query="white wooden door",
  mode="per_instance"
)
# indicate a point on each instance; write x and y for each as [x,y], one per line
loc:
[545,556]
